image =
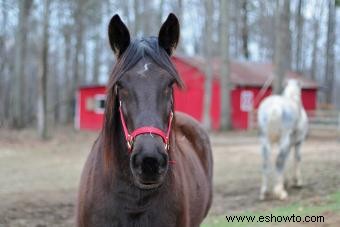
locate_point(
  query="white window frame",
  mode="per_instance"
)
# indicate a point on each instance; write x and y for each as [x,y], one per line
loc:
[97,100]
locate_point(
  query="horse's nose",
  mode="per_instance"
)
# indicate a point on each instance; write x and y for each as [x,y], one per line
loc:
[149,165]
[148,160]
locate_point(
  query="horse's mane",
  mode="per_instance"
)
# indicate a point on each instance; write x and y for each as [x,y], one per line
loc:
[137,50]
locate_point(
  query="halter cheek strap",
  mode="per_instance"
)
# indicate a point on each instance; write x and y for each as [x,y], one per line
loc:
[130,137]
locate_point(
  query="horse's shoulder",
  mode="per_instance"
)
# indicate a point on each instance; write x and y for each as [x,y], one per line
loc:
[193,132]
[190,128]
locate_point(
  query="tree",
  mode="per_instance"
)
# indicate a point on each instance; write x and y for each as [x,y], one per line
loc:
[330,57]
[225,73]
[178,10]
[316,36]
[66,77]
[299,26]
[79,29]
[43,76]
[282,44]
[245,29]
[18,85]
[3,63]
[208,63]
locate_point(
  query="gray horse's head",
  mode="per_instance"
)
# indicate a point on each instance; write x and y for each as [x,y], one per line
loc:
[293,90]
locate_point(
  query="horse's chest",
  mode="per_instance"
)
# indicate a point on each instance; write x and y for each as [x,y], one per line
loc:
[125,213]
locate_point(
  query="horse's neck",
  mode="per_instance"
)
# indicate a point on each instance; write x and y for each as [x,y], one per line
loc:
[299,105]
[136,200]
[296,100]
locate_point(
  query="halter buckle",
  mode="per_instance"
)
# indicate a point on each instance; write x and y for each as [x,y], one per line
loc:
[129,145]
[129,142]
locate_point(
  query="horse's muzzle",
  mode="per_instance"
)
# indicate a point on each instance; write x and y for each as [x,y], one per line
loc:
[149,163]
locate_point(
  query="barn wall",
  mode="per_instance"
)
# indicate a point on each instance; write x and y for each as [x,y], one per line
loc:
[240,119]
[190,100]
[309,99]
[89,119]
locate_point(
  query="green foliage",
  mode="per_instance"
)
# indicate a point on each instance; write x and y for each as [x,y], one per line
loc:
[337,3]
[330,204]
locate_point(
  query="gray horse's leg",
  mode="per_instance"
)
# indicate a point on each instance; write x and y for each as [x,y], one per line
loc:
[265,168]
[297,163]
[284,149]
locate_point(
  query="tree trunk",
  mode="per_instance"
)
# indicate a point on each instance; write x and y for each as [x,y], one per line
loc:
[3,64]
[245,29]
[65,83]
[234,38]
[208,64]
[282,58]
[42,94]
[18,89]
[225,72]
[330,57]
[179,13]
[137,21]
[126,11]
[78,16]
[96,59]
[299,26]
[148,19]
[84,66]
[315,50]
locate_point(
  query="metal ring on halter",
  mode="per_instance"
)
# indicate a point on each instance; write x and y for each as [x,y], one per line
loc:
[129,145]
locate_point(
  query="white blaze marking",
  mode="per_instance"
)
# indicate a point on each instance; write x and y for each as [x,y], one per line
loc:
[142,71]
[146,67]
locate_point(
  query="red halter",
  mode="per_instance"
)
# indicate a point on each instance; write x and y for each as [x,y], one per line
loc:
[144,130]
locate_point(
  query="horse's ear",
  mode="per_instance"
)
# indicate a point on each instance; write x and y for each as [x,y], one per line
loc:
[168,36]
[119,35]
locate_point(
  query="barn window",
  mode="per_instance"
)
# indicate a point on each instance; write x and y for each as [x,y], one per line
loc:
[99,103]
[247,101]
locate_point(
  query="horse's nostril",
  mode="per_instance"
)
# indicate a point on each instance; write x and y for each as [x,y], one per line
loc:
[150,166]
[136,164]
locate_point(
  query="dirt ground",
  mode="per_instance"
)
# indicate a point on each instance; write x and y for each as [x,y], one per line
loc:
[38,180]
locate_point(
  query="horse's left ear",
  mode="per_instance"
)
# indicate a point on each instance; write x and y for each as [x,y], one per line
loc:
[119,35]
[168,36]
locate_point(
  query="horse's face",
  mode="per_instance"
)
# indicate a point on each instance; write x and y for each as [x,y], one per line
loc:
[293,90]
[145,95]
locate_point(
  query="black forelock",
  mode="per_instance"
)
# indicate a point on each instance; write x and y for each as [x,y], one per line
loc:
[137,50]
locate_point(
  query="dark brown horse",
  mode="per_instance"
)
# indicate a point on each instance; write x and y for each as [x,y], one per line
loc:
[148,167]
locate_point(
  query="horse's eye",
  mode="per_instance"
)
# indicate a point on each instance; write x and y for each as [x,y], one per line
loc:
[168,89]
[123,92]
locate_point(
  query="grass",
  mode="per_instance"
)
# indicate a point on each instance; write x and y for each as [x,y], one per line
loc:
[332,204]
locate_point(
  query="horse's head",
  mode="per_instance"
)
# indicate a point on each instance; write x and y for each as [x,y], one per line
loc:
[293,90]
[142,83]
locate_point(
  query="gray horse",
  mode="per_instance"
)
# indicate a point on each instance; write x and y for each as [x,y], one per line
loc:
[283,121]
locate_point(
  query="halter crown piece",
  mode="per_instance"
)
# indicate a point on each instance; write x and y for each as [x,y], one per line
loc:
[130,137]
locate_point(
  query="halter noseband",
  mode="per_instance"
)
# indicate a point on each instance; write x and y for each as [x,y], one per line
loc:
[130,137]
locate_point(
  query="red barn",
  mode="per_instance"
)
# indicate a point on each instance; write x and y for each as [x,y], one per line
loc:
[247,81]
[90,105]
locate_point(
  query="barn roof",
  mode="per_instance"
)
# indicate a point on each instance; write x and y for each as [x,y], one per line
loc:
[91,86]
[247,73]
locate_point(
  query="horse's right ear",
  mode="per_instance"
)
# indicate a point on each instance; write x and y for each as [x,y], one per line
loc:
[168,36]
[119,35]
